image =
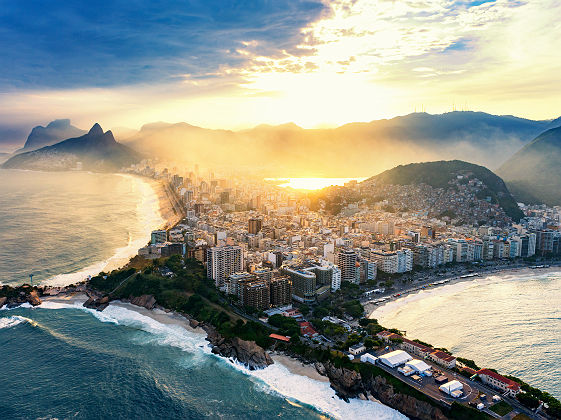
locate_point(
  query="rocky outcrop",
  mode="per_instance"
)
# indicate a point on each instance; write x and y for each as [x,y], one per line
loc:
[33,298]
[145,301]
[348,383]
[97,303]
[246,352]
[21,295]
[406,404]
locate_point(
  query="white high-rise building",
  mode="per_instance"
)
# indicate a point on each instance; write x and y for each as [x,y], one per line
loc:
[335,279]
[222,262]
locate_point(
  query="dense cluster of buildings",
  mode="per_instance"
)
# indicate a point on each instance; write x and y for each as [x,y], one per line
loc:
[265,244]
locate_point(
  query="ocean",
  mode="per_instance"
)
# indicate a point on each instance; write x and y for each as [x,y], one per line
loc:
[60,360]
[510,322]
[63,226]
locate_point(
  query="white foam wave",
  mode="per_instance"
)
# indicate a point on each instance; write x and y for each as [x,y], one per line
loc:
[319,395]
[149,217]
[12,321]
[275,378]
[23,305]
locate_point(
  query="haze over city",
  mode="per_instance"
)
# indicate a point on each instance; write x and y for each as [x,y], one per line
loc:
[303,209]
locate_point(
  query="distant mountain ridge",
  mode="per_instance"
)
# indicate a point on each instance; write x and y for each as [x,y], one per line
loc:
[350,150]
[96,151]
[533,174]
[53,133]
[440,174]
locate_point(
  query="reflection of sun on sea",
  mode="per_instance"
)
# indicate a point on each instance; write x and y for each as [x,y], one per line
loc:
[312,183]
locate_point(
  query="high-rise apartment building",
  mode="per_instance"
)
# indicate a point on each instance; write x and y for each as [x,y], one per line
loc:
[158,237]
[347,263]
[255,294]
[222,262]
[280,291]
[254,225]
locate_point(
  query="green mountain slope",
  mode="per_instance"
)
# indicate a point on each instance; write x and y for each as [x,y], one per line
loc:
[533,174]
[439,174]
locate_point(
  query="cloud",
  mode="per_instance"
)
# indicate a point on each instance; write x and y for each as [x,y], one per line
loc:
[66,44]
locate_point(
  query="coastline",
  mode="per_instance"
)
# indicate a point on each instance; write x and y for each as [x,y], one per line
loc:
[155,211]
[167,317]
[429,288]
[283,378]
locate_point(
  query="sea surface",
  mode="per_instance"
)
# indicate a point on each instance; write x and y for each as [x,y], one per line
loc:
[63,226]
[63,361]
[510,322]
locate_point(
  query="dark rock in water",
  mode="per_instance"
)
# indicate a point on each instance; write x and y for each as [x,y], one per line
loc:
[99,304]
[3,301]
[193,323]
[346,383]
[145,301]
[33,298]
[246,352]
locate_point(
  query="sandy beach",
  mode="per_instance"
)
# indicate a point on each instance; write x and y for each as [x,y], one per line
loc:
[431,288]
[169,210]
[379,311]
[298,368]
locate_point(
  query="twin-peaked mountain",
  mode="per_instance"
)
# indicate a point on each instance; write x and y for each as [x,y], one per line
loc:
[95,151]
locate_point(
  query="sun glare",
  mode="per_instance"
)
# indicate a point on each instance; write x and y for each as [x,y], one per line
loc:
[312,183]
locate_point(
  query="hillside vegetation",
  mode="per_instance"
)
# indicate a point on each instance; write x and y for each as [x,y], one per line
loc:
[439,174]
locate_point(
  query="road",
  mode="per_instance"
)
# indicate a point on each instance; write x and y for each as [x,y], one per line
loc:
[472,389]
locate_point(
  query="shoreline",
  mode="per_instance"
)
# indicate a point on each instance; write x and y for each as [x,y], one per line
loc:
[168,317]
[160,216]
[279,378]
[429,285]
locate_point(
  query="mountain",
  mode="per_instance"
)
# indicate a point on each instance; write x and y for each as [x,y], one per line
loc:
[533,174]
[54,132]
[350,150]
[477,181]
[96,150]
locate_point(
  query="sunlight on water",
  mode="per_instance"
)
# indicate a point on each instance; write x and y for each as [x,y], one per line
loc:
[312,183]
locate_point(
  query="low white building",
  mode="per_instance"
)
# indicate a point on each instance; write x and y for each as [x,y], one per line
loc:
[395,358]
[357,349]
[453,388]
[368,358]
[419,366]
[406,370]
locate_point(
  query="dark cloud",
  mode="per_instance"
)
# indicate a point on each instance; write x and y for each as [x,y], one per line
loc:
[68,44]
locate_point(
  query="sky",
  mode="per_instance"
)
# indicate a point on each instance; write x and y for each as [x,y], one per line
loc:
[237,64]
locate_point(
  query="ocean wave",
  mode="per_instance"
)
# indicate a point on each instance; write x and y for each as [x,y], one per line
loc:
[12,321]
[23,305]
[394,307]
[274,379]
[149,217]
[278,378]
